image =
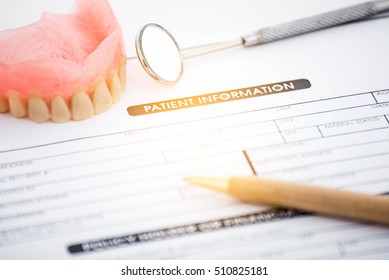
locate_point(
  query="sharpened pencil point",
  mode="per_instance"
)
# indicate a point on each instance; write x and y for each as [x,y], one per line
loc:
[215,183]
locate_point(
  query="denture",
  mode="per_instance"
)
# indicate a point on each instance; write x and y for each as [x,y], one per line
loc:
[64,66]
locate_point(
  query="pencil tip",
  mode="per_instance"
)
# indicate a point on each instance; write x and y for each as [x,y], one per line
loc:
[216,183]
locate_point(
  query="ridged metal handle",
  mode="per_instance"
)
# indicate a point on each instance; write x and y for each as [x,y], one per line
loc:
[310,24]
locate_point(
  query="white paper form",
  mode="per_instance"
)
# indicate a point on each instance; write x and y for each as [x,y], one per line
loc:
[112,186]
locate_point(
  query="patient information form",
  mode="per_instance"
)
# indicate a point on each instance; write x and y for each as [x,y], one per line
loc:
[122,195]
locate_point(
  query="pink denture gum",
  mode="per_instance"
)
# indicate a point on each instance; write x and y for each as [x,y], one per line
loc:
[64,66]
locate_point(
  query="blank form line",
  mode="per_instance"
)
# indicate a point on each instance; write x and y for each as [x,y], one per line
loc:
[369,182]
[84,164]
[87,203]
[368,252]
[343,120]
[360,183]
[320,150]
[326,162]
[92,175]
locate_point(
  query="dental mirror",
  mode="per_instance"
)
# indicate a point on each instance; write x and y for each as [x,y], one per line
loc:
[163,60]
[159,53]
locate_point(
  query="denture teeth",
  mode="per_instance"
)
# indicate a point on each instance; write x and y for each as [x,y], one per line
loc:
[59,109]
[3,104]
[81,106]
[17,106]
[115,87]
[38,110]
[102,99]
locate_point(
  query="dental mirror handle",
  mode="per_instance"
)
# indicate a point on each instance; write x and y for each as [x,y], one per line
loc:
[314,23]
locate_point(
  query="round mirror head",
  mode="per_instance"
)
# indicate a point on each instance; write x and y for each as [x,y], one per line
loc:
[159,53]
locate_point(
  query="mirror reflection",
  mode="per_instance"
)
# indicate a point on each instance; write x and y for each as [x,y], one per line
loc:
[160,54]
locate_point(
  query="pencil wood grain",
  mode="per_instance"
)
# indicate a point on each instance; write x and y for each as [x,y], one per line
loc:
[304,197]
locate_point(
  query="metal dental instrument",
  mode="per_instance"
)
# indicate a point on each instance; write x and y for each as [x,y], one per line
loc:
[162,58]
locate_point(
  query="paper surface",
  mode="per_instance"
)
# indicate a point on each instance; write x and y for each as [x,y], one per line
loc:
[113,186]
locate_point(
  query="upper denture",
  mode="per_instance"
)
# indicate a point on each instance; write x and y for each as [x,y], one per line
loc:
[75,57]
